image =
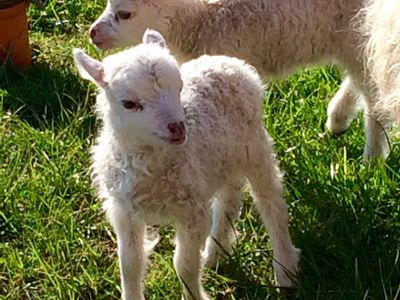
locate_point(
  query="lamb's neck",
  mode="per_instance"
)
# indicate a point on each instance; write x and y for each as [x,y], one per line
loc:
[254,31]
[143,157]
[149,159]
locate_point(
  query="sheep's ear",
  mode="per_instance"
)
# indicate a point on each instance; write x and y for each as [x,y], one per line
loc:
[89,68]
[154,37]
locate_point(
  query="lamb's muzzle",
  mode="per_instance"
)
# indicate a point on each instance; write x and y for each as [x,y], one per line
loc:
[177,133]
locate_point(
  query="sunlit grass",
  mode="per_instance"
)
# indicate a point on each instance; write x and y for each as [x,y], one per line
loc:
[56,244]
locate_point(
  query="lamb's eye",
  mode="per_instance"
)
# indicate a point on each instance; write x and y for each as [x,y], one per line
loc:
[132,105]
[123,14]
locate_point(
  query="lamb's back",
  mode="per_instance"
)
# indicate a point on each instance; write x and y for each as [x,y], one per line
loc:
[221,95]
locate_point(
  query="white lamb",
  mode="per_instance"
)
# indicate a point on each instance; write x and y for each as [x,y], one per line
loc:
[276,36]
[171,139]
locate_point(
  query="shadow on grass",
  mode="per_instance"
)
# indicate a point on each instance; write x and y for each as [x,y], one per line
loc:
[41,96]
[243,283]
[348,229]
[43,99]
[349,239]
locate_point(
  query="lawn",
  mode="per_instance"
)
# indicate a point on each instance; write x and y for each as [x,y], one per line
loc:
[56,244]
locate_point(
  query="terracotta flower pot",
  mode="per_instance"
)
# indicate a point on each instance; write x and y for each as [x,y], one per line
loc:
[14,41]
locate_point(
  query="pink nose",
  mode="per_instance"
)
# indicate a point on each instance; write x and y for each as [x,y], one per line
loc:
[177,129]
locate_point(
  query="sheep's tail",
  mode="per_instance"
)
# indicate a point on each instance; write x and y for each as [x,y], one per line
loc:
[382,26]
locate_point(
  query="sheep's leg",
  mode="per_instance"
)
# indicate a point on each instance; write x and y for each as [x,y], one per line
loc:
[343,108]
[268,195]
[132,259]
[190,239]
[225,210]
[376,138]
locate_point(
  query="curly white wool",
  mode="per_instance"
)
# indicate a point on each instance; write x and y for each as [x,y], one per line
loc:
[276,36]
[146,179]
[382,28]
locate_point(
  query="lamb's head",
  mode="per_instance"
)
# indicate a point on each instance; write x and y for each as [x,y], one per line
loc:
[123,22]
[140,92]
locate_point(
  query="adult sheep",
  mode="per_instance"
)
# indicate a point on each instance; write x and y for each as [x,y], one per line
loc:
[276,36]
[382,28]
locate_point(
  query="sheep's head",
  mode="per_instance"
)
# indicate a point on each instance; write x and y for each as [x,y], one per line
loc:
[123,22]
[140,97]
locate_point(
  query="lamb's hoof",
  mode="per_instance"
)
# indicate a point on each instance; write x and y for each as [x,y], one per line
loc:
[336,128]
[211,259]
[370,159]
[287,292]
[338,134]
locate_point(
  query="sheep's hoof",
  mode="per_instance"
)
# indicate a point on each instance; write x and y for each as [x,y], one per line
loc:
[336,126]
[338,134]
[287,292]
[211,259]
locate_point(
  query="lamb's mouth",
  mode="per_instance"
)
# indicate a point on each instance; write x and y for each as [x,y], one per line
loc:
[175,141]
[103,45]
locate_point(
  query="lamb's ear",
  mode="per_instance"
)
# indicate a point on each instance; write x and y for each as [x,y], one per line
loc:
[154,37]
[89,68]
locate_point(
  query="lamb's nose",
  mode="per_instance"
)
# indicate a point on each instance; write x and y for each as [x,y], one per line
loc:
[177,128]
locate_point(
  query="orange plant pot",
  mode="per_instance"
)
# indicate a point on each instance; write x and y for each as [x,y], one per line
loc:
[14,40]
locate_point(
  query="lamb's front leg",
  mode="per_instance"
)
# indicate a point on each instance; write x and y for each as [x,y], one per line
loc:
[132,259]
[191,235]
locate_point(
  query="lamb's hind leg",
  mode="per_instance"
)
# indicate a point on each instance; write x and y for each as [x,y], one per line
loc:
[343,108]
[266,186]
[225,210]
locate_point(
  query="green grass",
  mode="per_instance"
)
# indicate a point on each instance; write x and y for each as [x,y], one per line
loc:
[56,244]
